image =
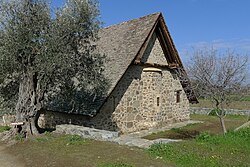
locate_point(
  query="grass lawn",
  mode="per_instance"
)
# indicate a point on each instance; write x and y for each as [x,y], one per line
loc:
[204,146]
[208,151]
[4,128]
[65,150]
[211,125]
[240,105]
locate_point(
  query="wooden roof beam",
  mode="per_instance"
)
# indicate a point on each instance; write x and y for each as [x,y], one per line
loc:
[169,66]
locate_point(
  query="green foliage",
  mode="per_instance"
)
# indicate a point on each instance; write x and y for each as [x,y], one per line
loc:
[58,52]
[10,97]
[218,150]
[4,128]
[116,164]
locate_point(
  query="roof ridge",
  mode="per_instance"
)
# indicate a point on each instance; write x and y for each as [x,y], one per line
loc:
[128,21]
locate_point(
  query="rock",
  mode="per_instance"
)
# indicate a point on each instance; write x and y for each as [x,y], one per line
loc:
[164,141]
[87,132]
[132,140]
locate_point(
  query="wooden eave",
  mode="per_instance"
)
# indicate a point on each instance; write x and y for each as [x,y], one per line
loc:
[165,40]
[145,44]
[168,42]
[168,66]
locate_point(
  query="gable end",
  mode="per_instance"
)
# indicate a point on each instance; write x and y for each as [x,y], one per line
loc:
[171,55]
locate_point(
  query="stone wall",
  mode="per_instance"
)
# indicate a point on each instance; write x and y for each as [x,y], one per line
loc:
[206,111]
[144,98]
[154,53]
[87,133]
[49,119]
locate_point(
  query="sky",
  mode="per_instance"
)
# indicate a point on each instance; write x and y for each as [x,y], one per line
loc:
[192,23]
[223,24]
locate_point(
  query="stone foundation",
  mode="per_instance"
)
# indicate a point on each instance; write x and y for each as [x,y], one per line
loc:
[85,132]
[49,119]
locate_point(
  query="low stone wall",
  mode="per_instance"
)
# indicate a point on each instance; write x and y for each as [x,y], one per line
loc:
[206,111]
[85,132]
[49,119]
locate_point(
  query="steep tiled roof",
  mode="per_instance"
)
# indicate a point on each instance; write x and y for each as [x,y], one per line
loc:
[121,43]
[125,43]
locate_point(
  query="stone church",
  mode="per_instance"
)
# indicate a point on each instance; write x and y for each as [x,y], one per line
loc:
[149,86]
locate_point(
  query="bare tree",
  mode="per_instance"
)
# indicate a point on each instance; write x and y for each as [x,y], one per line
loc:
[219,77]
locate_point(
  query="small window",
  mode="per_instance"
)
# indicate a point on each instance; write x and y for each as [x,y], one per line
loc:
[158,101]
[178,96]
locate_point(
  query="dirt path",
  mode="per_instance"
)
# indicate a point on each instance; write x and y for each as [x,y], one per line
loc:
[7,160]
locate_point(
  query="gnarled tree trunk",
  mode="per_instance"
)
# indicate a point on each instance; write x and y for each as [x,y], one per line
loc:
[28,104]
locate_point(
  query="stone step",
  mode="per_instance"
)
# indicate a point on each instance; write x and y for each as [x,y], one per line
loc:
[133,139]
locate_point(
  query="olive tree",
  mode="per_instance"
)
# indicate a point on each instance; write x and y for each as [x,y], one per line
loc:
[218,77]
[49,59]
